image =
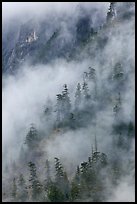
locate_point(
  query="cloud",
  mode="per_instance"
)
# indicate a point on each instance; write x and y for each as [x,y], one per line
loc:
[26,93]
[26,10]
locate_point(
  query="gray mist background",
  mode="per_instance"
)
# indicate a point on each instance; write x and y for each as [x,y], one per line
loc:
[25,95]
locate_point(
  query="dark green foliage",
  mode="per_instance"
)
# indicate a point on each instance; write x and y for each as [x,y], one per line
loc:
[83,29]
[61,179]
[118,71]
[72,121]
[47,166]
[90,178]
[130,130]
[85,90]
[74,190]
[22,189]
[66,101]
[48,111]
[111,12]
[92,73]
[59,169]
[44,50]
[55,194]
[35,184]
[87,182]
[32,137]
[14,190]
[63,108]
[78,97]
[123,134]
[59,108]
[116,171]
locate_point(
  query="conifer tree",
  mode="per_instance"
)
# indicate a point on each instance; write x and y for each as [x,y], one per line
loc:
[48,110]
[75,191]
[59,109]
[59,170]
[92,77]
[130,130]
[48,180]
[32,137]
[78,96]
[22,189]
[118,71]
[47,166]
[92,74]
[14,190]
[55,194]
[66,102]
[111,12]
[118,105]
[35,185]
[85,91]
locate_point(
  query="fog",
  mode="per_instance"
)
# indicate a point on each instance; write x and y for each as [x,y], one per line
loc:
[14,9]
[26,94]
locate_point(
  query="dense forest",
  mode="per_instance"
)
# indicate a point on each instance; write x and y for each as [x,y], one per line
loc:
[98,97]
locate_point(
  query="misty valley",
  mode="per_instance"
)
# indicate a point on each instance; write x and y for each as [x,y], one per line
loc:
[68,98]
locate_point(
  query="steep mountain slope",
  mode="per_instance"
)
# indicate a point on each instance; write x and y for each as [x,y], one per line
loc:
[86,126]
[39,41]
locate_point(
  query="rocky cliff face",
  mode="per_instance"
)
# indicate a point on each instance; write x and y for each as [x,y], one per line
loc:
[41,41]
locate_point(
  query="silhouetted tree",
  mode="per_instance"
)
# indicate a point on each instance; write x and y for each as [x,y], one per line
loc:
[35,185]
[78,97]
[14,190]
[118,71]
[85,90]
[59,170]
[111,12]
[32,137]
[66,102]
[22,189]
[59,109]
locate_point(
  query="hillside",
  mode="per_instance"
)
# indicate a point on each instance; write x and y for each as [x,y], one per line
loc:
[68,106]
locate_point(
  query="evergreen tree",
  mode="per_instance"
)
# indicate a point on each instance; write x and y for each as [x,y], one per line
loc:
[72,121]
[130,130]
[66,102]
[34,182]
[85,76]
[48,176]
[14,190]
[78,97]
[63,107]
[55,194]
[32,137]
[59,109]
[59,170]
[61,179]
[116,170]
[85,91]
[111,12]
[48,170]
[118,106]
[48,110]
[118,71]
[22,189]
[92,74]
[77,176]
[92,78]
[103,159]
[22,154]
[75,190]
[66,186]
